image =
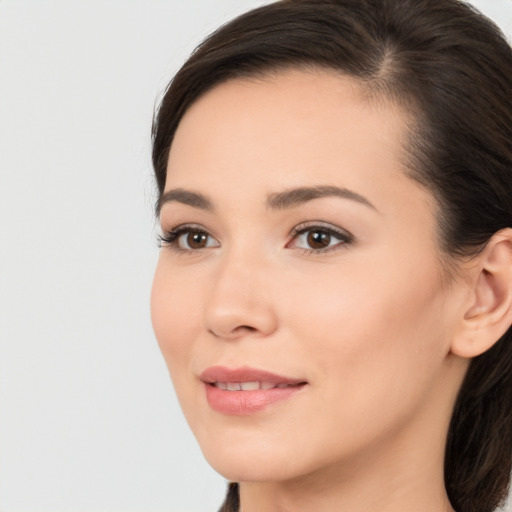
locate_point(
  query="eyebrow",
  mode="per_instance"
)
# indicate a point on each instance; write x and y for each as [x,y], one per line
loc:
[297,196]
[276,201]
[183,196]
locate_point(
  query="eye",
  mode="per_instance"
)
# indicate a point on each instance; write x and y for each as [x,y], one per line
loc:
[188,238]
[319,238]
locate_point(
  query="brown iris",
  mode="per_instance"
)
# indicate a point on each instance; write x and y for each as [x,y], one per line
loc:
[197,240]
[318,239]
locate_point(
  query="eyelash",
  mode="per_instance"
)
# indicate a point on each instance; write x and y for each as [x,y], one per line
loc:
[171,238]
[344,237]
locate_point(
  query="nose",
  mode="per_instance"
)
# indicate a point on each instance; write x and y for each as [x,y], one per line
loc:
[240,300]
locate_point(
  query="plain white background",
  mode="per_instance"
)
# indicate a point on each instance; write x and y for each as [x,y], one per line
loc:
[88,417]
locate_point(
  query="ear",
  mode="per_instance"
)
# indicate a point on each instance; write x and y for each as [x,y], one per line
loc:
[489,314]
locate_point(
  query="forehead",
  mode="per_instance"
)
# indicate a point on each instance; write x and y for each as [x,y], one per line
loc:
[297,95]
[293,126]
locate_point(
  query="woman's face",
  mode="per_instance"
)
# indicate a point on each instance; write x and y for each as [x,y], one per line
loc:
[299,260]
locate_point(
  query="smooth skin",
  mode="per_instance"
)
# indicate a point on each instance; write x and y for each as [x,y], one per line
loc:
[347,290]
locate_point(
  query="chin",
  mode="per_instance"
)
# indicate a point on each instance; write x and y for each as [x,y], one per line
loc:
[243,469]
[248,457]
[253,458]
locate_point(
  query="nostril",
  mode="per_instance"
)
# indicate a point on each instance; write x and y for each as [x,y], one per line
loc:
[242,329]
[237,331]
[231,319]
[245,328]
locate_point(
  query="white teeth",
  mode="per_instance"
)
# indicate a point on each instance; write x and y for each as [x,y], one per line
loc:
[245,386]
[249,386]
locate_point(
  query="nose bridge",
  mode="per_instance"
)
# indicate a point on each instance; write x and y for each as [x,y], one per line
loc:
[239,301]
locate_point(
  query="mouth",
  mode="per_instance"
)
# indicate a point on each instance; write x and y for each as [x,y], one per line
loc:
[245,391]
[252,386]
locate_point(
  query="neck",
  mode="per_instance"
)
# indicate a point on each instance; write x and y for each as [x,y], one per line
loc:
[378,489]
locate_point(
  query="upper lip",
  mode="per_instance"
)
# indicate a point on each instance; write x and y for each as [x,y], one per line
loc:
[245,374]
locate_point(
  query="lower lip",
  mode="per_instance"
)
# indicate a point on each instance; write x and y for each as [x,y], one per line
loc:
[244,403]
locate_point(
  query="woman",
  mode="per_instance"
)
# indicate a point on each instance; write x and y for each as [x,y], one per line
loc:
[333,296]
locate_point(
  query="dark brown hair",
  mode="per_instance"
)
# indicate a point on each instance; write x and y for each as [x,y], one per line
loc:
[451,68]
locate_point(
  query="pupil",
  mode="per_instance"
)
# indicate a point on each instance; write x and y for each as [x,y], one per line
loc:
[318,239]
[196,240]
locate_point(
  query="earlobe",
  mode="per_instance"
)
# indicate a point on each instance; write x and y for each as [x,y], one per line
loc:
[489,314]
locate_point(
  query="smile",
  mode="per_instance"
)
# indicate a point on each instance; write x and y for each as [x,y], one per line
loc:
[250,386]
[245,391]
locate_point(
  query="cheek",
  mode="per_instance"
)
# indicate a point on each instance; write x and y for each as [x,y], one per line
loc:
[377,338]
[174,313]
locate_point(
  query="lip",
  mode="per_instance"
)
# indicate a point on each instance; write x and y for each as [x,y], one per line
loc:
[244,403]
